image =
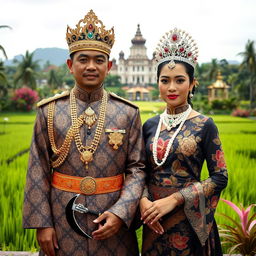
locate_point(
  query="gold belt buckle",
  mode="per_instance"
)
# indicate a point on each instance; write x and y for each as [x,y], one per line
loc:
[88,185]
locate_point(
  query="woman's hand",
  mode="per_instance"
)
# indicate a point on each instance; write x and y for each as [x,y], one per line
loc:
[145,204]
[161,207]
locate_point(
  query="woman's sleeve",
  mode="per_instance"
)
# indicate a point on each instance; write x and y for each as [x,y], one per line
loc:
[201,198]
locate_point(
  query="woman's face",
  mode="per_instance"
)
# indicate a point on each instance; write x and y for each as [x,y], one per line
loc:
[174,85]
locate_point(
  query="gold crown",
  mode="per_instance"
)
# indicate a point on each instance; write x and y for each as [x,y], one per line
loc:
[90,34]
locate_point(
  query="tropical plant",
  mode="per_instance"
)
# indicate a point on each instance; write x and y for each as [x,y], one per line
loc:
[214,68]
[1,47]
[24,98]
[53,79]
[242,236]
[27,71]
[249,64]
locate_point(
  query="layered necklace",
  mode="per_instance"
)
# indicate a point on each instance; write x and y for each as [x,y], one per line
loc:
[87,152]
[170,121]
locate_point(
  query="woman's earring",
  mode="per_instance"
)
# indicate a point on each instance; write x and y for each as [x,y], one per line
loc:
[191,95]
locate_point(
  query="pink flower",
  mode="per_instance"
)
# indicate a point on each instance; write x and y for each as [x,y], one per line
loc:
[24,98]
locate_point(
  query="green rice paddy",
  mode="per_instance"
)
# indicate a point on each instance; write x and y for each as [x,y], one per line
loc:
[238,140]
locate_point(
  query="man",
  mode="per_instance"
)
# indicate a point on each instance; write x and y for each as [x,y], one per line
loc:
[87,153]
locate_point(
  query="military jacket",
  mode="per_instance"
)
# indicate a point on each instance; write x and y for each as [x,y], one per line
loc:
[44,205]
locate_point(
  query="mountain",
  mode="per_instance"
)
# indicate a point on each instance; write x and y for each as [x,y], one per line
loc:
[55,56]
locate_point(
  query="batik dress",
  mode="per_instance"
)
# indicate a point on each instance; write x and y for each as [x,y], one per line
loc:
[190,229]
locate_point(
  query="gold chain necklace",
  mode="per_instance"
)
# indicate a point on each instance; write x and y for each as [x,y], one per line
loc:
[61,152]
[88,151]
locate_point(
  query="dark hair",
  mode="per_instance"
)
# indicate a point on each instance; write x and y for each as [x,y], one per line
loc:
[189,70]
[71,55]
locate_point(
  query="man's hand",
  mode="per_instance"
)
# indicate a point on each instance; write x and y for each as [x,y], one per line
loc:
[145,204]
[111,226]
[47,240]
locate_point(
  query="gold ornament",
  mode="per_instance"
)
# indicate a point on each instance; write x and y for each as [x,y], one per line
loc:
[61,152]
[89,117]
[115,139]
[90,34]
[88,151]
[88,185]
[86,157]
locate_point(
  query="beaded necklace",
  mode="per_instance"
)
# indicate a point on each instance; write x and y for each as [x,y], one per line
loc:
[181,120]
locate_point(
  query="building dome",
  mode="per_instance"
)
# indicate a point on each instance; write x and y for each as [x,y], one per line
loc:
[138,39]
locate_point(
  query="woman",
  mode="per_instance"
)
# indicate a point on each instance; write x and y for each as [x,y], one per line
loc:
[178,208]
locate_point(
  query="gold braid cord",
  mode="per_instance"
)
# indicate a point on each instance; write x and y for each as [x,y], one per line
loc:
[88,151]
[61,152]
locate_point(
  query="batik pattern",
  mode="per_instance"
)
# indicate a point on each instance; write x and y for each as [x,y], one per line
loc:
[190,229]
[44,206]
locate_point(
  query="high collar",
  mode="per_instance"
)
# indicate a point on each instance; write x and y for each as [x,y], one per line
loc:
[177,110]
[89,97]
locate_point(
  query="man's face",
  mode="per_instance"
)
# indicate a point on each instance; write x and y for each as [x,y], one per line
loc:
[89,68]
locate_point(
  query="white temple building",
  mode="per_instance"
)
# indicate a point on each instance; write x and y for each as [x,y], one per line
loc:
[137,72]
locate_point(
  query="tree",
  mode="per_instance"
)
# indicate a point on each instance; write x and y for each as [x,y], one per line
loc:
[214,67]
[53,79]
[1,47]
[27,71]
[112,81]
[249,64]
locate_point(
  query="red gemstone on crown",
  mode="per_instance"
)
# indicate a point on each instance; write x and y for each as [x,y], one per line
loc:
[181,49]
[195,59]
[174,37]
[160,54]
[166,49]
[90,26]
[189,54]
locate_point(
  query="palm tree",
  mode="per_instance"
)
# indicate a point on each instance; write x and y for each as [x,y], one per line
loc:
[249,64]
[53,79]
[1,47]
[214,68]
[27,71]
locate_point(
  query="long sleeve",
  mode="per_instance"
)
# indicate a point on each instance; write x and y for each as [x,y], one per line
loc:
[36,209]
[201,198]
[126,205]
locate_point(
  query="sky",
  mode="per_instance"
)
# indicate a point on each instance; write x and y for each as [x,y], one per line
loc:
[221,28]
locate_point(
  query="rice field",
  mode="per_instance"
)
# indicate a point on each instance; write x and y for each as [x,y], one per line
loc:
[238,140]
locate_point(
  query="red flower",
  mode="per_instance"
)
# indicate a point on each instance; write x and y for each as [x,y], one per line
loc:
[179,242]
[220,159]
[214,202]
[161,148]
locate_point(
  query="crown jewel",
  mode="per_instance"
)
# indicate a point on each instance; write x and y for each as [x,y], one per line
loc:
[176,45]
[90,34]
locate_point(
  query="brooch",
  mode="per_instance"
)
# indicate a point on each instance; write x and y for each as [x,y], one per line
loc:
[115,137]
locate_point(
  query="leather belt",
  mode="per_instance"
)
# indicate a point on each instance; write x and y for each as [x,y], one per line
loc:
[87,185]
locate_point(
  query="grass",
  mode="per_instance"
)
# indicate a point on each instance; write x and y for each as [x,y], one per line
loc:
[238,140]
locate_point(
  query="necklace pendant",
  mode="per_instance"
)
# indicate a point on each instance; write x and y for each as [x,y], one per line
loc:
[86,157]
[89,117]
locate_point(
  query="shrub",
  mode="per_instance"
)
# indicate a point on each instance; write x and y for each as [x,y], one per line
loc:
[241,236]
[24,98]
[241,113]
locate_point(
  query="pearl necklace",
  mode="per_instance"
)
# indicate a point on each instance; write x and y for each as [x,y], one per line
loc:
[171,121]
[162,120]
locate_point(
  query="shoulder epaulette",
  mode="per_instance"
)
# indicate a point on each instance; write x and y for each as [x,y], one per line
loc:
[124,100]
[55,97]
